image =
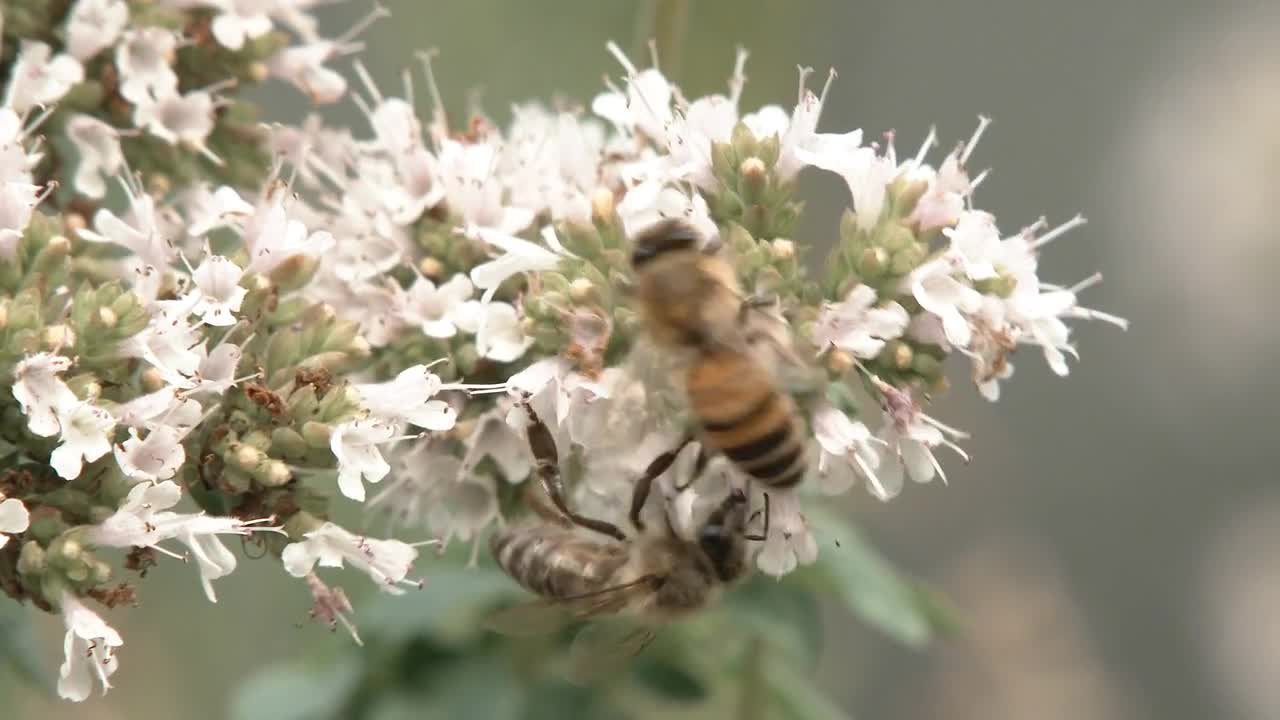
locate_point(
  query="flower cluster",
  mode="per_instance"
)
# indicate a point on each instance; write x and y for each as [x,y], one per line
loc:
[254,338]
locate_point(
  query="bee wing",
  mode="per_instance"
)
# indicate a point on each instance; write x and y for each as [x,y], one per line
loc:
[542,616]
[536,617]
[605,647]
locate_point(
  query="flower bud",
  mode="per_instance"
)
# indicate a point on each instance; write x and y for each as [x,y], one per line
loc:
[159,184]
[603,204]
[908,196]
[431,268]
[582,290]
[294,272]
[873,262]
[782,249]
[258,71]
[273,473]
[359,347]
[754,178]
[74,222]
[908,258]
[152,380]
[316,434]
[288,442]
[246,457]
[107,318]
[926,366]
[839,362]
[901,354]
[894,236]
[32,559]
[4,316]
[100,570]
[56,337]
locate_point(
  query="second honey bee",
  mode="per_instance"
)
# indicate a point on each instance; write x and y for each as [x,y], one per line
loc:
[589,570]
[690,301]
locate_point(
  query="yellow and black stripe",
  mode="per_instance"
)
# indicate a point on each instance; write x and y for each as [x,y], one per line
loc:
[744,416]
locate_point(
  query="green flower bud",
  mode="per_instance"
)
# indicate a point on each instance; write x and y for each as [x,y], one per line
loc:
[770,149]
[873,262]
[245,457]
[907,195]
[898,354]
[56,337]
[288,442]
[744,141]
[431,268]
[722,160]
[603,205]
[100,571]
[754,178]
[302,402]
[582,290]
[316,434]
[894,236]
[908,258]
[32,559]
[294,272]
[926,365]
[782,249]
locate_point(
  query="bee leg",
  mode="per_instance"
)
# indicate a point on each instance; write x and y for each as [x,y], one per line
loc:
[699,467]
[547,466]
[645,482]
[764,534]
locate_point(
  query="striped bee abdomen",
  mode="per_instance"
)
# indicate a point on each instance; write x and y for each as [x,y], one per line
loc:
[555,562]
[744,416]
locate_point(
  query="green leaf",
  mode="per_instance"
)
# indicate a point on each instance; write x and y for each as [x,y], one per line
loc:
[451,605]
[19,650]
[297,692]
[796,696]
[784,615]
[865,582]
[479,686]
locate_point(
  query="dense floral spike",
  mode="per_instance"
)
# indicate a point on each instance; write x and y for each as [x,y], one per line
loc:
[382,304]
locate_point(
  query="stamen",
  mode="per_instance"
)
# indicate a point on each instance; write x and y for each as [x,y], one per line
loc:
[378,12]
[369,86]
[739,78]
[1057,232]
[983,122]
[804,74]
[930,140]
[621,57]
[438,116]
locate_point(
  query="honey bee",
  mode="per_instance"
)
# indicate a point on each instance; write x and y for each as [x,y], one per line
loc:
[587,569]
[690,301]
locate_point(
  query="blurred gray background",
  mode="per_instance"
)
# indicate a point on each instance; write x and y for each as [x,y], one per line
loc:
[1112,545]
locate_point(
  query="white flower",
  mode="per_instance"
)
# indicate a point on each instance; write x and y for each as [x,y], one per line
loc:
[645,106]
[497,328]
[432,308]
[240,20]
[652,202]
[169,344]
[355,446]
[156,457]
[178,411]
[17,203]
[908,437]
[14,518]
[845,446]
[89,650]
[143,60]
[856,326]
[180,119]
[208,211]
[272,237]
[38,79]
[86,432]
[407,398]
[551,162]
[144,520]
[138,231]
[866,172]
[98,147]
[790,542]
[518,256]
[939,293]
[303,66]
[387,562]
[217,293]
[217,371]
[94,25]
[556,391]
[975,244]
[471,190]
[40,392]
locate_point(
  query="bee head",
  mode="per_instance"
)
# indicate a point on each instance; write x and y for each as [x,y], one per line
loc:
[671,235]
